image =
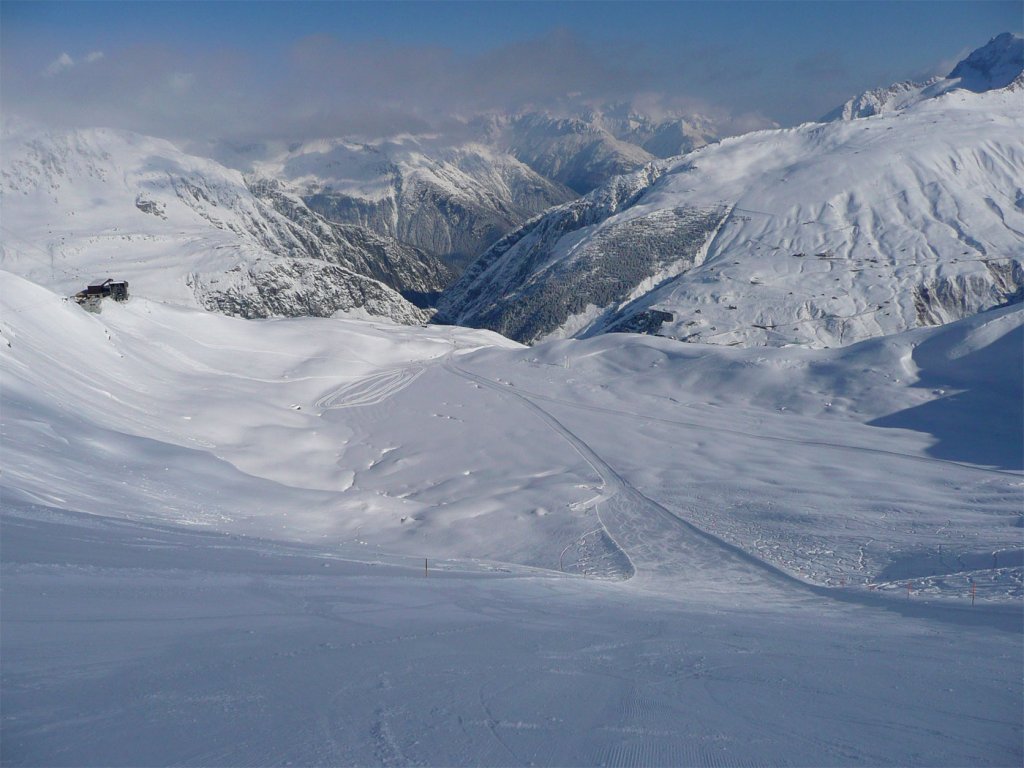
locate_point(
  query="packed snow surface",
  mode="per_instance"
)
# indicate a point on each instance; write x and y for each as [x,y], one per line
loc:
[333,541]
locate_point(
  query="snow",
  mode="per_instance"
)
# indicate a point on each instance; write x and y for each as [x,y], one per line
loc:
[128,644]
[995,65]
[878,207]
[833,233]
[637,552]
[83,205]
[341,540]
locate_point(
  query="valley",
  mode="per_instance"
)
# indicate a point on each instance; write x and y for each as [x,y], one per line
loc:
[586,434]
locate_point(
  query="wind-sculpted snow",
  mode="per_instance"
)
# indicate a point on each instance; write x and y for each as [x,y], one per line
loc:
[831,234]
[82,205]
[399,435]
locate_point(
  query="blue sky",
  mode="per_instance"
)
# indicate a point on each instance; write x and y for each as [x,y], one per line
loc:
[330,67]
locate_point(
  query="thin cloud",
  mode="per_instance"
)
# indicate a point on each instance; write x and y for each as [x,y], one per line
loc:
[322,87]
[65,62]
[58,65]
[824,65]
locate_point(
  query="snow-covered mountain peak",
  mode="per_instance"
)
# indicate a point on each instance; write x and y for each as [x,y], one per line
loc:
[995,65]
[818,235]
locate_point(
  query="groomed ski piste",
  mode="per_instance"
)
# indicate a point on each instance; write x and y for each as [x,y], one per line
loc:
[339,542]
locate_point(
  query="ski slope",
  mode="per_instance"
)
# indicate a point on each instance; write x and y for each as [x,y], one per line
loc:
[197,649]
[335,541]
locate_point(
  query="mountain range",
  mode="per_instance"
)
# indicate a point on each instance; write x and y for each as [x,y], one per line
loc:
[903,209]
[818,235]
[263,511]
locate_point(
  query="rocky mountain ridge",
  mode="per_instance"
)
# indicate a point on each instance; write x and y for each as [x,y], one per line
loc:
[819,235]
[81,205]
[997,64]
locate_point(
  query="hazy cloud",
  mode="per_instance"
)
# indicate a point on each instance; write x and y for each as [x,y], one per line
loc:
[58,65]
[322,87]
[64,62]
[824,65]
[947,65]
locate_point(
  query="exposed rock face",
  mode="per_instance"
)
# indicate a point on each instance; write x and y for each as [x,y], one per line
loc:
[452,202]
[572,151]
[536,280]
[455,197]
[295,288]
[82,204]
[415,274]
[946,299]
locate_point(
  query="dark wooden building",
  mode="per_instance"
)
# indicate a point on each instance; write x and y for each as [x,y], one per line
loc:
[114,289]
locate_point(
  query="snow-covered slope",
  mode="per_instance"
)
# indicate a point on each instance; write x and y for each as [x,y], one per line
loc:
[332,541]
[451,201]
[995,65]
[818,235]
[585,148]
[82,205]
[314,430]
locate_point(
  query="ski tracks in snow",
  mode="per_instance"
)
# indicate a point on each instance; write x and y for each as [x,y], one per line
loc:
[370,390]
[663,550]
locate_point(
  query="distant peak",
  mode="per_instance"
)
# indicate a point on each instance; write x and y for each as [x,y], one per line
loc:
[995,65]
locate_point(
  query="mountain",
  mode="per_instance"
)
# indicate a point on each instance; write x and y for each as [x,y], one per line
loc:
[819,235]
[81,205]
[662,136]
[570,150]
[455,195]
[585,149]
[997,64]
[451,201]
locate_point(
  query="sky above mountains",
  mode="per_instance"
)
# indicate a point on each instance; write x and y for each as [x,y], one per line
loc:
[300,70]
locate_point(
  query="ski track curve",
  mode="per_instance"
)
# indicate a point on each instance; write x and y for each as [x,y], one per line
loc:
[662,549]
[370,390]
[769,438]
[667,554]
